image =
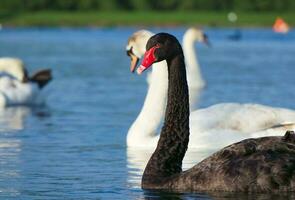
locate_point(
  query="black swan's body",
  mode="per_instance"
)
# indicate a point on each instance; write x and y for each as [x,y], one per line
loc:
[252,165]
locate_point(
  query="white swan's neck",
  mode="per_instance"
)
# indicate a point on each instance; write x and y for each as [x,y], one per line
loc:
[194,75]
[142,132]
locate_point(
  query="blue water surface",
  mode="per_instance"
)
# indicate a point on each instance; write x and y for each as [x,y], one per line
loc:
[74,147]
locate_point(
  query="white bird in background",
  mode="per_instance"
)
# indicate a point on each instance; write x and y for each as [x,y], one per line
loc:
[13,67]
[212,127]
[16,87]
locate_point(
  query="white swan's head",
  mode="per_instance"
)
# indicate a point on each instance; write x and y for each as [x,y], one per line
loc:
[195,34]
[13,67]
[136,46]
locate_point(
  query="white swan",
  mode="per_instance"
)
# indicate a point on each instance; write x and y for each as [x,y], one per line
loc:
[216,126]
[16,87]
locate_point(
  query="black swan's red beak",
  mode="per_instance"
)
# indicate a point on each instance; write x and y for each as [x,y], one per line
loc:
[148,59]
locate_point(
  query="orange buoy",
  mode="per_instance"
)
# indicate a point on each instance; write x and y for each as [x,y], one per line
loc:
[280,26]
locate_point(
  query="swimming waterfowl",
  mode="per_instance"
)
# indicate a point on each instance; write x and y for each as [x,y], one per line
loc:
[17,87]
[264,164]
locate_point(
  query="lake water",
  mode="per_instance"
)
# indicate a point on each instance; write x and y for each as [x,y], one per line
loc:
[74,147]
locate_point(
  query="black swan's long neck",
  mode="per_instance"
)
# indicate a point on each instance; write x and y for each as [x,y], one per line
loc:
[167,158]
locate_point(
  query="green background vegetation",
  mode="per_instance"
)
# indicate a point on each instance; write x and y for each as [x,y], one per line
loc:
[143,12]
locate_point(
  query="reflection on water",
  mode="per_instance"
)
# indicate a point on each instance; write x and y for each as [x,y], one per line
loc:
[12,121]
[10,149]
[12,118]
[243,196]
[150,194]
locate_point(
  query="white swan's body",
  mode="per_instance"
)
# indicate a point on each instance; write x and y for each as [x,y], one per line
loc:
[15,86]
[215,126]
[223,124]
[13,92]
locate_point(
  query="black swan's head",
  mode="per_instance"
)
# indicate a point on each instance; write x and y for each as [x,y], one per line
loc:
[159,47]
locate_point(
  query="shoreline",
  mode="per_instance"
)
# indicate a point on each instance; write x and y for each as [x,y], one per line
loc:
[141,19]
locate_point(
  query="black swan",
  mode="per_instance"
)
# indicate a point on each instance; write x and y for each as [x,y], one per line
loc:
[264,164]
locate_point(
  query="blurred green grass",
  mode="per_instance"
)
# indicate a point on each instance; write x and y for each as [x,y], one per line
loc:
[146,18]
